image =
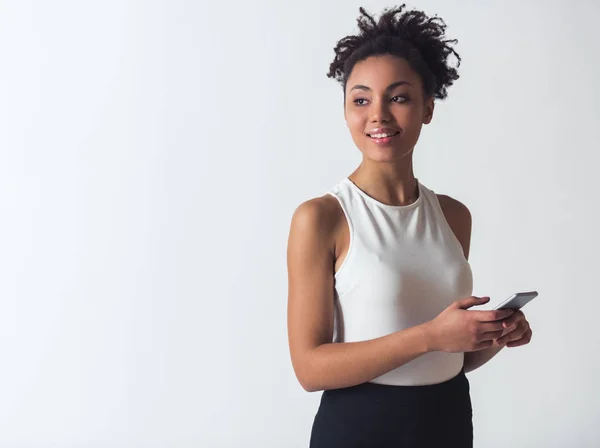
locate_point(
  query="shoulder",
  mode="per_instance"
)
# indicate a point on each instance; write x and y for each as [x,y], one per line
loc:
[321,211]
[455,209]
[317,218]
[459,219]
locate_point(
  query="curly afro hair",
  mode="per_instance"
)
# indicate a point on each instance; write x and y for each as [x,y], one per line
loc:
[407,34]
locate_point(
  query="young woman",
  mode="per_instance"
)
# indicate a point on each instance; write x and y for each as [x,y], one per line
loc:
[379,280]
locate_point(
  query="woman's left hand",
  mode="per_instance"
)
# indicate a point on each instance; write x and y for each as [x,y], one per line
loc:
[516,331]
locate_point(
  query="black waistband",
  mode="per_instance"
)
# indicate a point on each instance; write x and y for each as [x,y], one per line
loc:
[458,381]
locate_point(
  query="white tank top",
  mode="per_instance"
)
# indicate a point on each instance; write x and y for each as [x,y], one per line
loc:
[403,267]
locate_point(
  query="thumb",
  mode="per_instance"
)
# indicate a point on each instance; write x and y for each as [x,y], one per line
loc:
[471,301]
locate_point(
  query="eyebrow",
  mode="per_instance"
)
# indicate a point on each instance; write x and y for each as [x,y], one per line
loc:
[390,87]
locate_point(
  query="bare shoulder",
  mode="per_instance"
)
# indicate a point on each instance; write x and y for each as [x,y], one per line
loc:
[319,216]
[454,207]
[459,219]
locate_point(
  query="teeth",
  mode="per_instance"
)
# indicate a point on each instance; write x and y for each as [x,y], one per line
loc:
[382,135]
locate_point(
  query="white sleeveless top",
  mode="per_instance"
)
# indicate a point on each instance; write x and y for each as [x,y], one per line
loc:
[403,267]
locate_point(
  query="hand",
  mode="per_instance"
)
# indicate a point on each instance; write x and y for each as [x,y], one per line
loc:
[457,329]
[517,331]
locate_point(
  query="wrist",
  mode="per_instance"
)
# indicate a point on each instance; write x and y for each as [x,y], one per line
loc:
[430,338]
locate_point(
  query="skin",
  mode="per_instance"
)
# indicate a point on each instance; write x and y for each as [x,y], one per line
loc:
[386,172]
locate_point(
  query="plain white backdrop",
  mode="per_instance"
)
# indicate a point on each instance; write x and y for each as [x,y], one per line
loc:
[152,154]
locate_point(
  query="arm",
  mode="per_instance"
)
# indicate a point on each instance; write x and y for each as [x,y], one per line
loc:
[336,365]
[318,363]
[460,221]
[474,360]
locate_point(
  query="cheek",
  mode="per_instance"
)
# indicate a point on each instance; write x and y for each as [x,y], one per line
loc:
[410,116]
[355,123]
[411,120]
[411,135]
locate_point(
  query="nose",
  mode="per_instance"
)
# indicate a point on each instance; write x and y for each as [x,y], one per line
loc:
[379,111]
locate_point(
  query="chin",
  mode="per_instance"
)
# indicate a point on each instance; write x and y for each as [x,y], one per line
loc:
[384,153]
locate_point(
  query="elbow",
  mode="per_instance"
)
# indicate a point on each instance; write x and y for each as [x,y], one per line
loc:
[307,372]
[304,377]
[306,382]
[308,388]
[312,388]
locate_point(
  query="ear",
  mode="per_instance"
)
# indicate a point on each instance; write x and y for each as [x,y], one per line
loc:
[429,106]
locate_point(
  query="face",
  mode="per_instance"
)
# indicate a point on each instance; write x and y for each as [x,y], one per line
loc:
[385,92]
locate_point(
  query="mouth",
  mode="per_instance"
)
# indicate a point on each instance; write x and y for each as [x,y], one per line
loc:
[383,137]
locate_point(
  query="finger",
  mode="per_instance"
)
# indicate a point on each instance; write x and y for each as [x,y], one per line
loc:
[510,327]
[470,301]
[491,326]
[516,334]
[483,345]
[491,315]
[492,335]
[526,339]
[508,336]
[514,319]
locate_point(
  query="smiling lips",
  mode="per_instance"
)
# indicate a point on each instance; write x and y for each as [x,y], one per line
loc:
[379,133]
[382,135]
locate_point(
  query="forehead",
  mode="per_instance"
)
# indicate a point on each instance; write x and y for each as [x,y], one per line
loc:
[377,72]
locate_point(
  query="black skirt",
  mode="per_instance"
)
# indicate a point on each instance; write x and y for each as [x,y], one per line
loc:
[382,416]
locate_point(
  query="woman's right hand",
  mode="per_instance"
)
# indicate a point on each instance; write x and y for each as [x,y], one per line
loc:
[457,329]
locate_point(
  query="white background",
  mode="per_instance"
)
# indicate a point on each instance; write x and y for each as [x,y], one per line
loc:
[152,154]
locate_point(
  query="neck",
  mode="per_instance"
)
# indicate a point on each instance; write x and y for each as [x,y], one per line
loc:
[395,185]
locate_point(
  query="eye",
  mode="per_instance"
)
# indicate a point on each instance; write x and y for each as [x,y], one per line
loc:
[403,99]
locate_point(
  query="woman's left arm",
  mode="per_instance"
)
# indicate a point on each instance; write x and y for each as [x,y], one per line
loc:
[474,360]
[517,331]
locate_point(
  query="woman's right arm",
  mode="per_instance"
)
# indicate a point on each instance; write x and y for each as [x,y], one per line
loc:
[320,364]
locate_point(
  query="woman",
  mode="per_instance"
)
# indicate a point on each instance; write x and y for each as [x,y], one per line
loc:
[379,280]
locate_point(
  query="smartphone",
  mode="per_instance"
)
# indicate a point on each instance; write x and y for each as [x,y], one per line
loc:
[517,301]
